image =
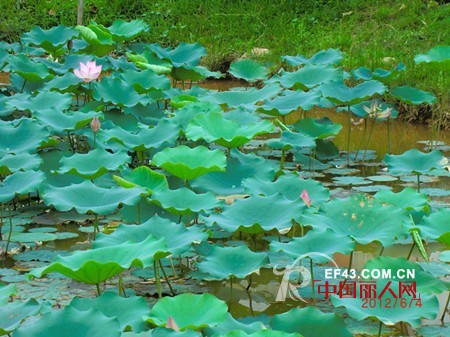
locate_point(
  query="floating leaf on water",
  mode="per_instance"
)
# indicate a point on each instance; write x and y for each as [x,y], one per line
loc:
[351,181]
[435,192]
[371,188]
[382,178]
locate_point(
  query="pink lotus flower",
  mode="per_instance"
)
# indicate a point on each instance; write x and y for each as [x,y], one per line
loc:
[95,124]
[305,197]
[88,72]
[171,324]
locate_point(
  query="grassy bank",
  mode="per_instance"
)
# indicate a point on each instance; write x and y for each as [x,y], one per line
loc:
[371,33]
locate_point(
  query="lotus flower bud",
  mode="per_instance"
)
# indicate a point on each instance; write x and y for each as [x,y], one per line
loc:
[305,197]
[95,124]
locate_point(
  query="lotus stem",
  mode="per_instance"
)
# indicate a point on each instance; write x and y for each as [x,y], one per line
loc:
[380,326]
[418,183]
[121,286]
[99,291]
[382,250]
[72,145]
[368,139]
[173,267]
[349,131]
[445,307]
[95,139]
[249,282]
[282,125]
[389,134]
[312,279]
[350,262]
[231,288]
[23,85]
[410,252]
[283,154]
[166,278]
[95,225]
[1,222]
[10,232]
[157,279]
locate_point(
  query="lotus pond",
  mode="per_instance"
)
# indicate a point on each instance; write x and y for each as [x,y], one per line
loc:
[135,202]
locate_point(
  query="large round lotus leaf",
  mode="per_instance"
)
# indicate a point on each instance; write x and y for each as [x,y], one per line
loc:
[394,313]
[412,95]
[27,69]
[186,163]
[22,135]
[436,226]
[291,101]
[290,186]
[310,76]
[213,127]
[144,177]
[310,322]
[224,262]
[407,198]
[128,311]
[177,236]
[262,333]
[42,101]
[363,218]
[329,56]
[68,82]
[93,164]
[325,242]
[248,70]
[146,81]
[12,314]
[240,96]
[189,311]
[64,121]
[184,201]
[125,31]
[414,161]
[116,91]
[51,40]
[184,54]
[98,265]
[239,167]
[317,128]
[20,183]
[382,75]
[193,73]
[339,93]
[70,322]
[255,214]
[438,56]
[425,282]
[164,133]
[87,197]
[290,140]
[99,39]
[11,163]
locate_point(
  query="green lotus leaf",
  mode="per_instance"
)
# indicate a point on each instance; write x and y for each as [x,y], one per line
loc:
[363,218]
[414,161]
[425,282]
[20,183]
[42,101]
[291,101]
[21,136]
[186,163]
[146,81]
[189,311]
[339,93]
[98,265]
[407,198]
[436,226]
[6,291]
[128,311]
[125,31]
[224,262]
[248,70]
[65,83]
[193,73]
[310,322]
[184,201]
[87,197]
[262,333]
[317,128]
[164,133]
[184,54]
[63,122]
[180,101]
[144,177]
[93,164]
[11,163]
[99,39]
[231,324]
[239,166]
[382,75]
[317,245]
[290,186]
[412,95]
[290,140]
[213,127]
[51,40]
[241,96]
[445,256]
[32,237]
[177,236]
[329,56]
[395,313]
[355,181]
[183,116]
[70,322]
[12,314]
[149,61]
[116,91]
[27,69]
[439,56]
[310,76]
[257,214]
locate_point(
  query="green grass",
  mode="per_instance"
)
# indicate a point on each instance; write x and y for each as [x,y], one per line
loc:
[367,32]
